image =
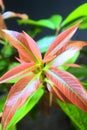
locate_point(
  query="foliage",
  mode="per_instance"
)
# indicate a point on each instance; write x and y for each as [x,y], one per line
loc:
[78,14]
[51,23]
[78,117]
[35,74]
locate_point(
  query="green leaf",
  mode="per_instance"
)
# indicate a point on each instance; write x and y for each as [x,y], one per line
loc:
[78,117]
[3,64]
[12,128]
[78,14]
[34,31]
[80,73]
[52,23]
[2,102]
[12,65]
[45,42]
[7,50]
[83,25]
[84,84]
[2,42]
[0,127]
[29,104]
[56,20]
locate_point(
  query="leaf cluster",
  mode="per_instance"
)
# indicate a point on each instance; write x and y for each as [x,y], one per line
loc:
[34,76]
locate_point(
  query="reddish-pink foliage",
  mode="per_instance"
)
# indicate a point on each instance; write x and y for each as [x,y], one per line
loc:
[34,71]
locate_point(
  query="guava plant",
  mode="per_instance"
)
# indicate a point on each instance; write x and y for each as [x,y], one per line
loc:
[45,74]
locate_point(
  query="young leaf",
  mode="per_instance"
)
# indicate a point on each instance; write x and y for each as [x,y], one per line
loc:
[70,51]
[17,96]
[20,43]
[70,61]
[16,72]
[33,47]
[27,106]
[69,86]
[61,41]
[64,57]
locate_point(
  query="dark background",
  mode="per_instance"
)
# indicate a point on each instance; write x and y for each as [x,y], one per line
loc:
[39,9]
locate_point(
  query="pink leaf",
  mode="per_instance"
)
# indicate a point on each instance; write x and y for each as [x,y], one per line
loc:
[19,42]
[64,57]
[33,46]
[69,52]
[17,97]
[18,71]
[69,86]
[61,41]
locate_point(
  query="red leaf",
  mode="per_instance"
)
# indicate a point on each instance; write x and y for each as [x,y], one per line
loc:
[61,41]
[69,86]
[20,43]
[17,97]
[33,47]
[69,52]
[18,71]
